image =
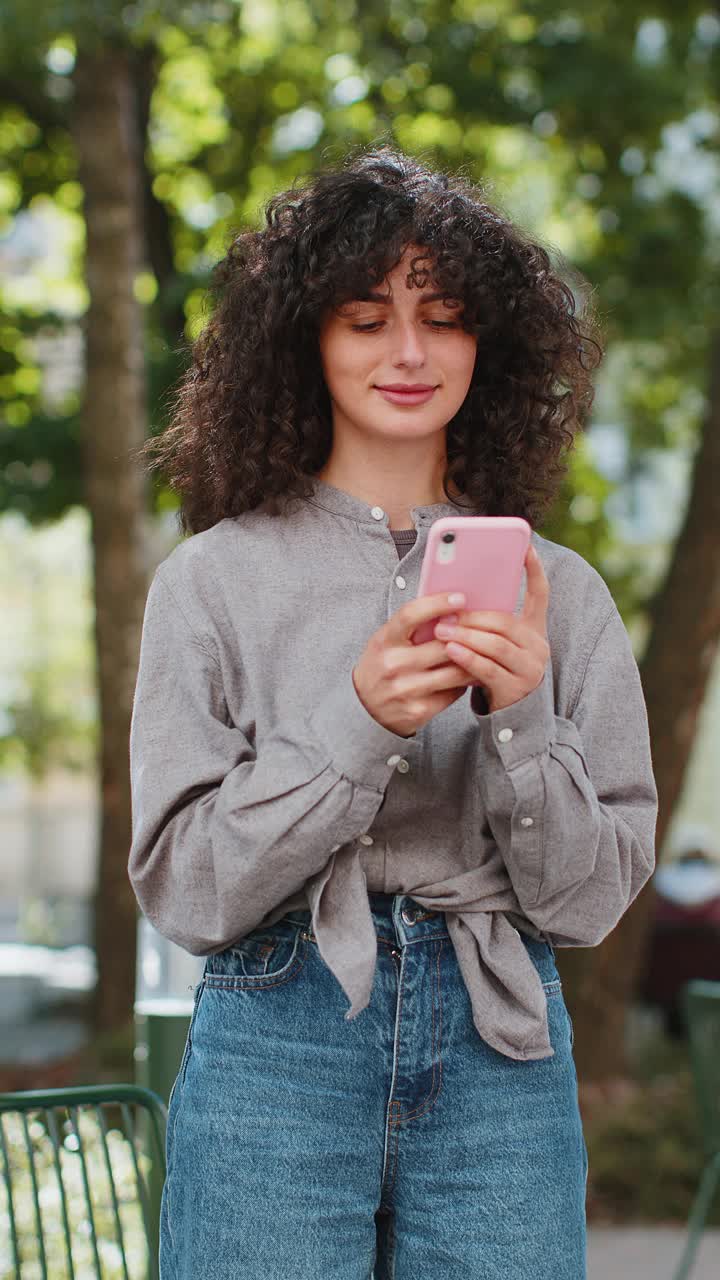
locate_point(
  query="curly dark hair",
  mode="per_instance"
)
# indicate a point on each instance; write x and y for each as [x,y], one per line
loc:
[252,420]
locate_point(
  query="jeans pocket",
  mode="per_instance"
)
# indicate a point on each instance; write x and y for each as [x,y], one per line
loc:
[264,957]
[258,954]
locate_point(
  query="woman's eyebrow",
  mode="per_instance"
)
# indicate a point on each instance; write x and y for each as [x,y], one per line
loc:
[386,297]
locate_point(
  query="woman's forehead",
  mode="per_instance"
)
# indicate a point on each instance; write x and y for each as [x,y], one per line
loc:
[424,281]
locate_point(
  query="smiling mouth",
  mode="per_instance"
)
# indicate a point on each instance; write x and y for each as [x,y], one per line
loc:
[406,395]
[405,386]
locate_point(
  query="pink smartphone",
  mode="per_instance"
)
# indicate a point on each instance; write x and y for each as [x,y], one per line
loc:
[483,556]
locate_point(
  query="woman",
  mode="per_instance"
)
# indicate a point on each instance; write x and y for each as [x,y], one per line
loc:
[318,806]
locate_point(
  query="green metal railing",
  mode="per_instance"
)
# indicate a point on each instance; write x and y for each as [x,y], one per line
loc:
[701,1003]
[82,1175]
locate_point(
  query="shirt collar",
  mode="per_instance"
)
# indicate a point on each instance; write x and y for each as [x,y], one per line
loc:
[345,504]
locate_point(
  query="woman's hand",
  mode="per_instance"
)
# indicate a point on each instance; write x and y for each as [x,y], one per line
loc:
[401,684]
[506,653]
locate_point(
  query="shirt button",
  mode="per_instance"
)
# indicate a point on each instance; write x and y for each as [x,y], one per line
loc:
[366,839]
[393,760]
[377,513]
[400,582]
[402,766]
[505,735]
[526,822]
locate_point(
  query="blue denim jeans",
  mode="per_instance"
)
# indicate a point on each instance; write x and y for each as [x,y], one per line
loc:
[398,1146]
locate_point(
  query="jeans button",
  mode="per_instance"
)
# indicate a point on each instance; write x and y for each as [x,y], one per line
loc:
[408,915]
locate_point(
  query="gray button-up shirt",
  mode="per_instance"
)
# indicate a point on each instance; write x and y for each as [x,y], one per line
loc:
[256,771]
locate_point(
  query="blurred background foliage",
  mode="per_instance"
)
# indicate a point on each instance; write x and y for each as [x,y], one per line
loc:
[595,125]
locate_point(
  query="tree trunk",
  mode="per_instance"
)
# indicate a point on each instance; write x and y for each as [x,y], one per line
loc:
[683,644]
[158,234]
[113,425]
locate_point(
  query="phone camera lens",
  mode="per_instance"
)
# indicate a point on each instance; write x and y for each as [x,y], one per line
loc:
[448,537]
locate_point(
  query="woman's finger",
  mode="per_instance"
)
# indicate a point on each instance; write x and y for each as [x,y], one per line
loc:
[537,592]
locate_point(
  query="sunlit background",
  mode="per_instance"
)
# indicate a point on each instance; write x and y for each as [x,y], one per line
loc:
[596,127]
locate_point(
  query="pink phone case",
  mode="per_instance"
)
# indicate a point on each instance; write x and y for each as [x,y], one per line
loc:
[485,561]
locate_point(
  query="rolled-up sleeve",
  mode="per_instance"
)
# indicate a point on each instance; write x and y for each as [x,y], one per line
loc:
[222,833]
[572,802]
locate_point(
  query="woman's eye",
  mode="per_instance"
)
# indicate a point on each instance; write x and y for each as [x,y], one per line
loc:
[376,324]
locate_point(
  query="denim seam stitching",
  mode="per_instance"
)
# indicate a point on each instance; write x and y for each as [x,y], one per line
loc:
[180,1085]
[427,937]
[188,1046]
[394,1135]
[432,1098]
[391,1247]
[392,1129]
[394,1103]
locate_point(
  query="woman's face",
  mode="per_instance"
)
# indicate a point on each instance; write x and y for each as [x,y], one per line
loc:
[397,363]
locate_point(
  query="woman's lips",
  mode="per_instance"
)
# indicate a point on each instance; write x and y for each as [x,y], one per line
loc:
[406,397]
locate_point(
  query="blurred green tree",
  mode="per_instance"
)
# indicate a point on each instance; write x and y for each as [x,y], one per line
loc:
[595,126]
[101,133]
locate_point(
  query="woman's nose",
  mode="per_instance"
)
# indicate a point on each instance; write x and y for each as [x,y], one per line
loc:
[408,346]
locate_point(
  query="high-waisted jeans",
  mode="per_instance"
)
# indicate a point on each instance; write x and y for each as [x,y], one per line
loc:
[398,1146]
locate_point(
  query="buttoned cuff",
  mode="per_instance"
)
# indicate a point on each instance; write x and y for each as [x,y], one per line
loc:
[360,748]
[524,729]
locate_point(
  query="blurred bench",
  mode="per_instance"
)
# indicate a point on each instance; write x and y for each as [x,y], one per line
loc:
[701,1004]
[82,1176]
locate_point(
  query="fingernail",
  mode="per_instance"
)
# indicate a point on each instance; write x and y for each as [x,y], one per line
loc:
[457,597]
[449,617]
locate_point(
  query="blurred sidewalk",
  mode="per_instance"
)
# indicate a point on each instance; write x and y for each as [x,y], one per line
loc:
[648,1253]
